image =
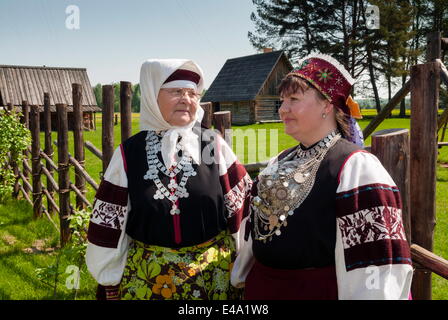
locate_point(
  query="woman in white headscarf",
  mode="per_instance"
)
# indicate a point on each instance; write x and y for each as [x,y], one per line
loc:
[167,216]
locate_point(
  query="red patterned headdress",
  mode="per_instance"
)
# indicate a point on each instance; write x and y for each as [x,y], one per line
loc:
[331,79]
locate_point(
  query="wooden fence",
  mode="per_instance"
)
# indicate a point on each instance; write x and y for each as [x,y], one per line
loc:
[418,189]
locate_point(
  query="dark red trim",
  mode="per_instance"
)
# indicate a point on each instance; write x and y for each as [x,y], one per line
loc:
[176,223]
[377,253]
[177,230]
[182,74]
[109,192]
[124,158]
[234,222]
[235,173]
[265,283]
[366,197]
[345,161]
[103,236]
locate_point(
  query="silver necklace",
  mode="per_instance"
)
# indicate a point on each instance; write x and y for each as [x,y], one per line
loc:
[283,189]
[174,190]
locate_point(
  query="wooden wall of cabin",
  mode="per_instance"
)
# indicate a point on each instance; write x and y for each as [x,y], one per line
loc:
[243,112]
[272,82]
[266,108]
[267,101]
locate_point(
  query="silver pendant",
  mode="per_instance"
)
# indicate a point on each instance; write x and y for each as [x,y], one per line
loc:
[299,177]
[158,195]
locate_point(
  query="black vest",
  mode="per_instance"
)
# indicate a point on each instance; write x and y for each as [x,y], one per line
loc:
[202,214]
[309,239]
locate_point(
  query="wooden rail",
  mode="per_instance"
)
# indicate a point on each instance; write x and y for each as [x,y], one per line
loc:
[91,147]
[386,111]
[81,170]
[429,260]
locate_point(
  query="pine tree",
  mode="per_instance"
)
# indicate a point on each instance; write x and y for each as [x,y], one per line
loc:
[135,104]
[338,28]
[98,91]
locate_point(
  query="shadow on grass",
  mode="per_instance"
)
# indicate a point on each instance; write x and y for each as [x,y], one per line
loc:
[18,221]
[10,268]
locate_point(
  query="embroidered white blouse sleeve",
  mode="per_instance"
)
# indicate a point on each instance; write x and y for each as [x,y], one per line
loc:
[107,240]
[236,186]
[373,259]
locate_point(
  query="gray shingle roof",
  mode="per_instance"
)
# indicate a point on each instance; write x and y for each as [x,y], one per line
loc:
[242,78]
[18,83]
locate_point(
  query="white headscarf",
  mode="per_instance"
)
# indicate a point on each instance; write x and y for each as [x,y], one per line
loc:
[153,74]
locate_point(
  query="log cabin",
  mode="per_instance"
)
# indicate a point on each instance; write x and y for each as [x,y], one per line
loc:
[28,83]
[247,86]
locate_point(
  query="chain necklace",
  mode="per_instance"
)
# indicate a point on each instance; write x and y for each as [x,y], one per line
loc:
[174,190]
[283,187]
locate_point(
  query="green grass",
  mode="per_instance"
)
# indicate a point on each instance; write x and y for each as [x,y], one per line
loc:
[17,267]
[440,285]
[25,245]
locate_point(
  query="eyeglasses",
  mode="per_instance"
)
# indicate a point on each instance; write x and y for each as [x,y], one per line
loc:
[179,93]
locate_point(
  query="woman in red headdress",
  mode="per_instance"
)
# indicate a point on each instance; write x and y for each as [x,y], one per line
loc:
[325,218]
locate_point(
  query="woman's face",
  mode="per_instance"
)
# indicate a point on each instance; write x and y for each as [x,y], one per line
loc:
[302,113]
[178,105]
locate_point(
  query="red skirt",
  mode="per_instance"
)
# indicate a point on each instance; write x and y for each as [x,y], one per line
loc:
[265,283]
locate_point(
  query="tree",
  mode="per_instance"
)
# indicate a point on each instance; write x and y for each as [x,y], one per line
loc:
[135,105]
[301,26]
[338,28]
[116,97]
[391,49]
[98,91]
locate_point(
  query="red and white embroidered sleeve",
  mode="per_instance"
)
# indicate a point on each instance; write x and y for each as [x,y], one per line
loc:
[373,259]
[107,241]
[236,185]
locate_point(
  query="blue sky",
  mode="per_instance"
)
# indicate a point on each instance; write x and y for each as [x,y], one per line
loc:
[115,37]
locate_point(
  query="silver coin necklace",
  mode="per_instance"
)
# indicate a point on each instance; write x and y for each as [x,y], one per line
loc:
[174,190]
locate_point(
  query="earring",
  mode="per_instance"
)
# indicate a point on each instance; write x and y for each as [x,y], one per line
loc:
[324,115]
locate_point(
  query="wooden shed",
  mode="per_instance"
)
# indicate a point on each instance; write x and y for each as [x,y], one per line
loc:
[247,86]
[19,83]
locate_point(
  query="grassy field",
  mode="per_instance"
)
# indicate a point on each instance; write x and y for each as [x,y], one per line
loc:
[27,244]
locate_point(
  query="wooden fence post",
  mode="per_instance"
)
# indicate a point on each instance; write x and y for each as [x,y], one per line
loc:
[48,149]
[26,122]
[78,141]
[223,121]
[391,146]
[207,119]
[35,160]
[125,109]
[63,170]
[108,125]
[425,84]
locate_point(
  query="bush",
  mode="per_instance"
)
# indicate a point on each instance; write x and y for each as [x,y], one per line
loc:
[14,139]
